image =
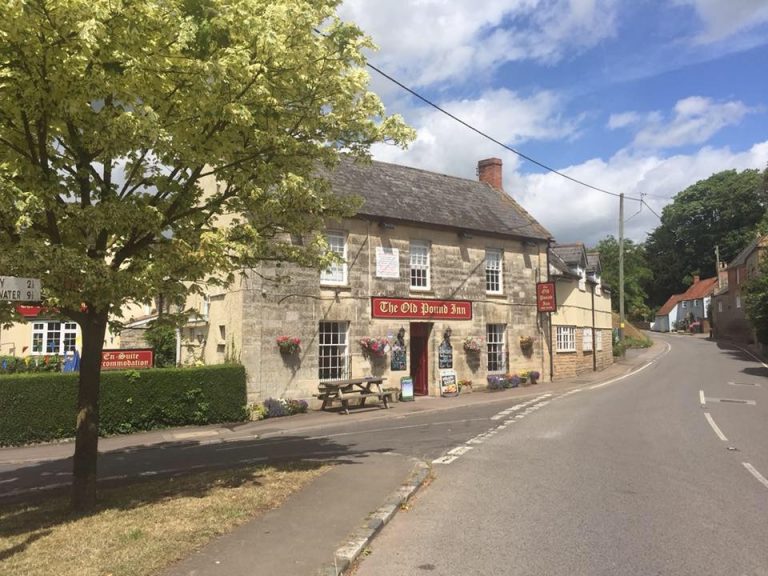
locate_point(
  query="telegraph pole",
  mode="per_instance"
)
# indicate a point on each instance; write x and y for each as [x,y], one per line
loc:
[621,267]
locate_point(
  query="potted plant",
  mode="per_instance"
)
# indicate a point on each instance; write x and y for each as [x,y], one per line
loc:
[495,381]
[512,381]
[465,386]
[288,344]
[473,344]
[526,345]
[374,346]
[524,377]
[534,375]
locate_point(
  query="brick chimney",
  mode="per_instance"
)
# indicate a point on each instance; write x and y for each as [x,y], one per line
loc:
[696,278]
[489,171]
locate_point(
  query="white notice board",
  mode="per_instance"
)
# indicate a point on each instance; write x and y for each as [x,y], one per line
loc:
[387,262]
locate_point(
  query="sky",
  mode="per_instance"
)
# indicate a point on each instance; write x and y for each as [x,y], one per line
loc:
[641,97]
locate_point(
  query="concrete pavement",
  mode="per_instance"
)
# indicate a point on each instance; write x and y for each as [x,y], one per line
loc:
[323,529]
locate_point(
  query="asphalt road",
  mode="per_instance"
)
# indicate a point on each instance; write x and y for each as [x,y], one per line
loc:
[425,436]
[660,473]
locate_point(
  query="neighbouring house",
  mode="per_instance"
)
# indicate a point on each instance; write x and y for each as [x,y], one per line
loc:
[682,310]
[428,262]
[730,320]
[581,327]
[667,317]
[44,332]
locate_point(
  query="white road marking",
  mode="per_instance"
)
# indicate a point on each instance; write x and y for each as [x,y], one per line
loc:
[733,401]
[444,460]
[643,367]
[702,400]
[760,478]
[715,427]
[745,384]
[459,450]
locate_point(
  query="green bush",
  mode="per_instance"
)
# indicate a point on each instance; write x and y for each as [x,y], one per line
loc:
[40,407]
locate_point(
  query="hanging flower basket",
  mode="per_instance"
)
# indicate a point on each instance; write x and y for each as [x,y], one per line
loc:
[473,344]
[288,344]
[374,346]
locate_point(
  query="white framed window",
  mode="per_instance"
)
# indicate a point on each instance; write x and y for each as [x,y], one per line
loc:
[738,301]
[566,338]
[495,337]
[54,337]
[494,265]
[599,340]
[684,304]
[333,352]
[586,339]
[336,273]
[419,265]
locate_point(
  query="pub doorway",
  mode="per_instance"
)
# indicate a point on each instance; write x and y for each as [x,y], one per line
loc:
[419,346]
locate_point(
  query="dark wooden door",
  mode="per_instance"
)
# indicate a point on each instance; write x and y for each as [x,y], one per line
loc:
[420,357]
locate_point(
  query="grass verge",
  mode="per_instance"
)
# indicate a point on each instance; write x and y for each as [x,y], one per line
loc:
[139,530]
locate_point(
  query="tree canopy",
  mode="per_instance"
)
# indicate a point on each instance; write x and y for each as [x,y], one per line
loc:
[637,275]
[756,301]
[151,146]
[722,211]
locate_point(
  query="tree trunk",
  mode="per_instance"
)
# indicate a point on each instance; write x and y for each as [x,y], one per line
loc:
[87,436]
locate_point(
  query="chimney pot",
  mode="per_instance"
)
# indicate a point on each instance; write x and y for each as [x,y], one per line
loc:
[696,278]
[489,171]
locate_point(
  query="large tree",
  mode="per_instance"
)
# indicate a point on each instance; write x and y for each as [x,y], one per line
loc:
[637,275]
[722,211]
[151,146]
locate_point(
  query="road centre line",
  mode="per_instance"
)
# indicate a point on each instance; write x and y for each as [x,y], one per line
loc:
[760,478]
[715,427]
[702,400]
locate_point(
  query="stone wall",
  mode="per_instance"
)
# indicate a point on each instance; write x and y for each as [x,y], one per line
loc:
[298,303]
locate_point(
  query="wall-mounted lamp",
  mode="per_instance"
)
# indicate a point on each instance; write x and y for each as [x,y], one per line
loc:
[447,333]
[386,225]
[465,235]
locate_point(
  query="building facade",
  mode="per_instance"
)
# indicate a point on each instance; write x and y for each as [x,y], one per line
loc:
[428,262]
[582,335]
[729,317]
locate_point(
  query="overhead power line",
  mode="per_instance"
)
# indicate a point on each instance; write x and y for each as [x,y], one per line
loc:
[492,139]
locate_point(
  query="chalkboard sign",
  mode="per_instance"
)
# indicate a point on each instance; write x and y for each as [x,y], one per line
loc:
[398,358]
[448,384]
[445,355]
[406,389]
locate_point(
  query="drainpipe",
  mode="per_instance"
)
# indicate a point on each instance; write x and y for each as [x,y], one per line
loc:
[178,346]
[594,343]
[549,323]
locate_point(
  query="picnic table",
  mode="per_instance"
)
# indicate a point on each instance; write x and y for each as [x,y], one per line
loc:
[342,390]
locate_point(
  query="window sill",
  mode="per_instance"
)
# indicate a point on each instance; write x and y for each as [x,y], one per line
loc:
[497,295]
[336,287]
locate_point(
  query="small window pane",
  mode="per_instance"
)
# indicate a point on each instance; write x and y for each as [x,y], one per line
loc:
[336,273]
[420,265]
[495,346]
[333,351]
[493,271]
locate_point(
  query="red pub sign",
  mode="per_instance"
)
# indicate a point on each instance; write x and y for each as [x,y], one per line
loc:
[546,298]
[127,359]
[418,308]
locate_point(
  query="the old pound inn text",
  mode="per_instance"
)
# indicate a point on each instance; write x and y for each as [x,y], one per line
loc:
[421,308]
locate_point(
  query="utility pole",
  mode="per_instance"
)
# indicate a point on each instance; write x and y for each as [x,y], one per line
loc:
[621,267]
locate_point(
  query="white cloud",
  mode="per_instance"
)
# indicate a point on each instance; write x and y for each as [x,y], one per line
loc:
[695,121]
[725,18]
[430,41]
[443,145]
[574,213]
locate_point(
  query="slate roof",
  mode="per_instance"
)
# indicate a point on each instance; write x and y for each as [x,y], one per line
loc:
[593,262]
[559,264]
[399,193]
[741,257]
[571,254]
[669,305]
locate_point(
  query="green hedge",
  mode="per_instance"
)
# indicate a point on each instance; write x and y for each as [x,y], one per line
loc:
[40,407]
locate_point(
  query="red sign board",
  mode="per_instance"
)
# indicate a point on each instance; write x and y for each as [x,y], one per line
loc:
[421,308]
[546,298]
[127,359]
